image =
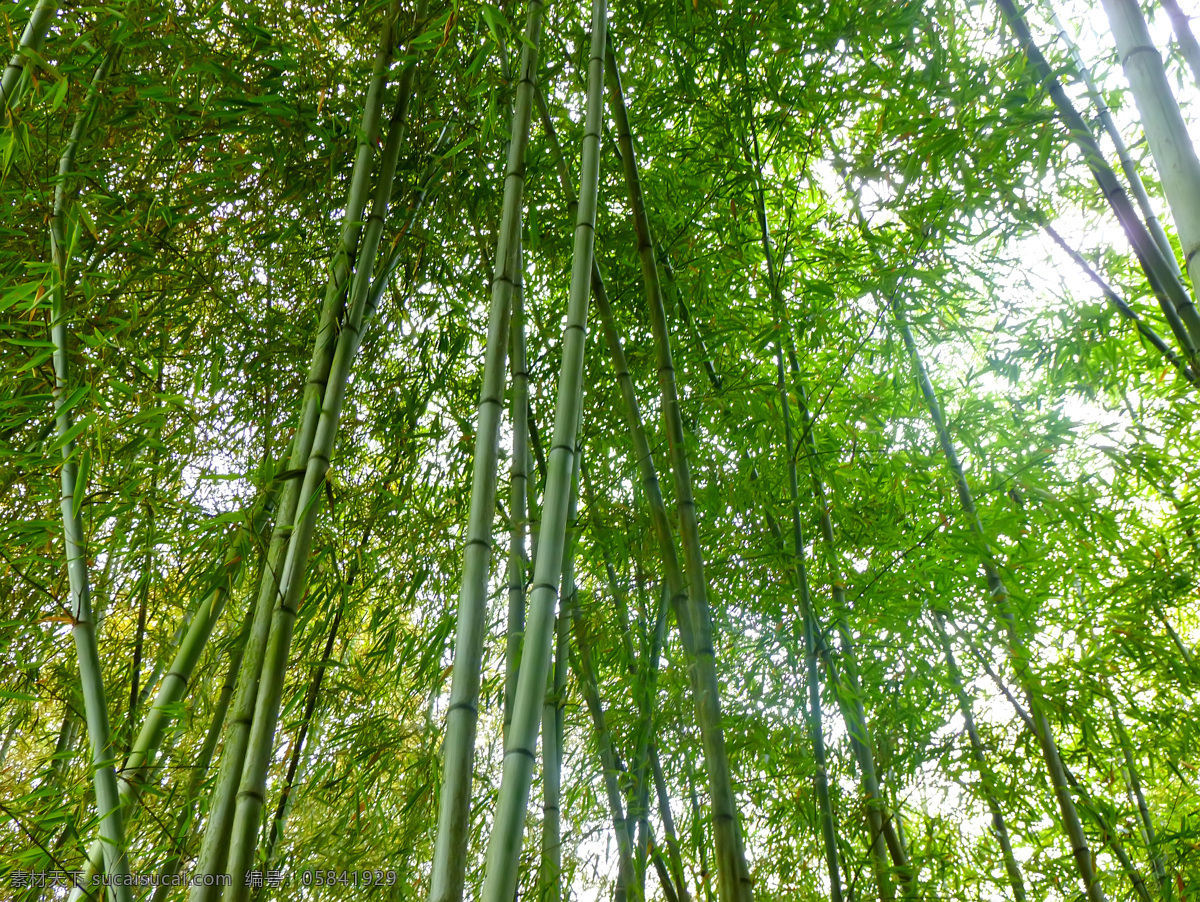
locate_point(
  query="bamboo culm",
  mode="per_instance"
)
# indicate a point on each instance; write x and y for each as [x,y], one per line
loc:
[1003,609]
[454,821]
[1162,122]
[215,843]
[999,826]
[1114,134]
[83,630]
[139,768]
[11,83]
[504,844]
[1188,44]
[1146,822]
[518,491]
[732,872]
[829,830]
[1173,298]
[251,791]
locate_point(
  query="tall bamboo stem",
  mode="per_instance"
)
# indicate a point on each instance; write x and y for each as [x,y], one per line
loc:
[83,629]
[252,787]
[11,83]
[518,492]
[1188,44]
[732,871]
[1166,132]
[999,826]
[799,565]
[454,821]
[504,844]
[214,847]
[1173,298]
[1127,165]
[1145,821]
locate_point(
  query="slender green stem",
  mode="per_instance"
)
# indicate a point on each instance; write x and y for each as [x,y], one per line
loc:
[12,85]
[1188,44]
[504,844]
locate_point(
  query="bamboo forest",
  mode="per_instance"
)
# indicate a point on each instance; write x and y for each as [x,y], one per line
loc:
[599,451]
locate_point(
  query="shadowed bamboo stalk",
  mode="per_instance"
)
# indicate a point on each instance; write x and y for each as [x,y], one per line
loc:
[1166,132]
[732,873]
[138,769]
[1173,298]
[670,835]
[1110,127]
[1018,652]
[504,844]
[292,580]
[1188,45]
[454,821]
[799,565]
[1107,834]
[187,811]
[999,826]
[1145,821]
[518,492]
[214,847]
[83,627]
[11,83]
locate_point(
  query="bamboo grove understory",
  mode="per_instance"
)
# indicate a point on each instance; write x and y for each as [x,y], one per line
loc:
[693,451]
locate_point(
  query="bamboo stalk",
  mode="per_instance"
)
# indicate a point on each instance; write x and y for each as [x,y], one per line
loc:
[732,873]
[1166,132]
[1017,650]
[252,787]
[670,835]
[454,820]
[215,844]
[999,826]
[83,629]
[187,811]
[11,83]
[138,769]
[1173,298]
[799,565]
[1110,127]
[504,844]
[1182,26]
[518,492]
[1145,821]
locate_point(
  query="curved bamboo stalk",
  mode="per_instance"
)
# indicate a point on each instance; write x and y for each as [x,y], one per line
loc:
[454,809]
[998,593]
[518,492]
[252,787]
[215,843]
[1173,298]
[999,826]
[1114,134]
[504,844]
[1166,132]
[11,83]
[732,872]
[83,629]
[1188,45]
[1146,822]
[799,565]
[139,768]
[187,811]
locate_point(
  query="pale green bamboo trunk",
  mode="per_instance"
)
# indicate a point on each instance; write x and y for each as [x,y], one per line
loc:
[518,493]
[293,577]
[504,844]
[83,630]
[1188,45]
[1145,821]
[1173,297]
[214,847]
[1166,132]
[999,826]
[1110,128]
[454,808]
[12,85]
[732,871]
